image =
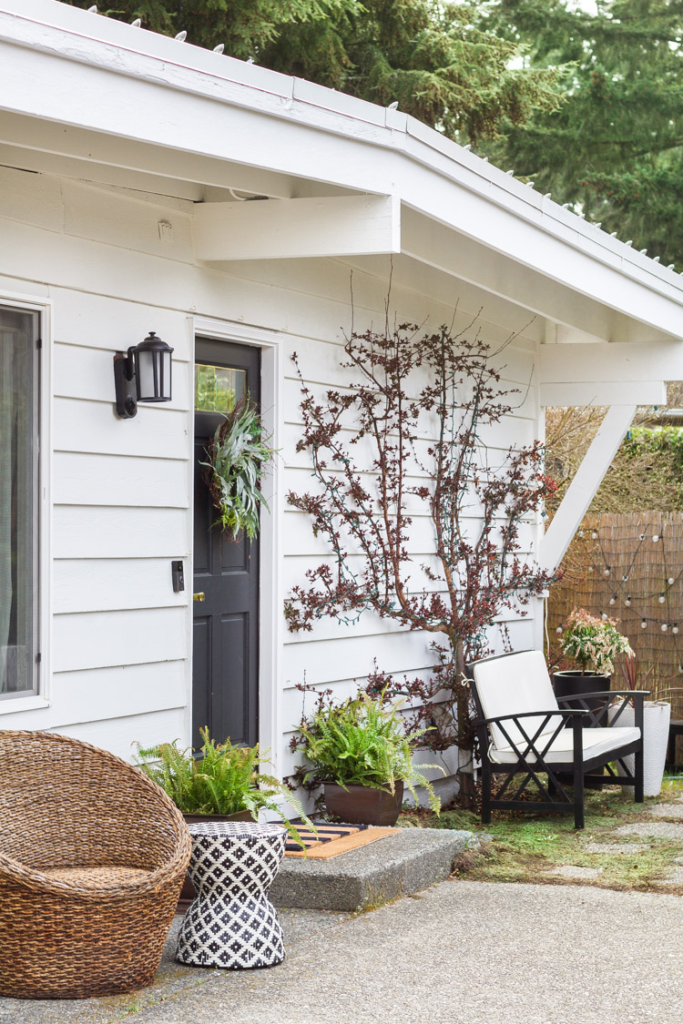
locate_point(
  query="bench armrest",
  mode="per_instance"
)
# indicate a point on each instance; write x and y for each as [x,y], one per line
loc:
[636,696]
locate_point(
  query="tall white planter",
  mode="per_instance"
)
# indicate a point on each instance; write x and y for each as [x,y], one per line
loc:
[656,718]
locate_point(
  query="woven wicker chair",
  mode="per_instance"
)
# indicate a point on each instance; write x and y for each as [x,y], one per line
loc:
[92,858]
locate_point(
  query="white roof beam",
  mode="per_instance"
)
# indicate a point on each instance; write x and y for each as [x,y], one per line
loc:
[297,228]
[604,374]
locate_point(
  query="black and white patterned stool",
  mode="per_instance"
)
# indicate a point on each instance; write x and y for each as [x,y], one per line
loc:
[232,924]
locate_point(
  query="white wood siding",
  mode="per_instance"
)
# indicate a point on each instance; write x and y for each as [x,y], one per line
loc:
[122,489]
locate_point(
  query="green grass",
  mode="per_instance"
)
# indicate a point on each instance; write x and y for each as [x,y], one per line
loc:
[525,846]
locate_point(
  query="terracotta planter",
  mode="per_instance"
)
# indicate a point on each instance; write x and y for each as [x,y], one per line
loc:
[364,805]
[187,893]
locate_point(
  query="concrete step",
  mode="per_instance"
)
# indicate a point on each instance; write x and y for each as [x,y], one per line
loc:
[397,865]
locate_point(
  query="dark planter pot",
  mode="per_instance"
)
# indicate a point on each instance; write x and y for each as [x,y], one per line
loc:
[573,684]
[187,893]
[364,805]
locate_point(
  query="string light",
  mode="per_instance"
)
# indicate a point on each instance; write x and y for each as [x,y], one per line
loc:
[627,602]
[662,599]
[643,624]
[580,533]
[594,534]
[590,568]
[655,538]
[607,570]
[670,581]
[559,629]
[612,599]
[665,626]
[674,628]
[642,536]
[624,578]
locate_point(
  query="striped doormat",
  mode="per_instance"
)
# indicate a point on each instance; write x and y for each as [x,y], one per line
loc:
[331,840]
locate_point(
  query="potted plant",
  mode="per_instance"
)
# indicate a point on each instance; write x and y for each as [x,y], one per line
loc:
[593,643]
[656,719]
[237,457]
[359,752]
[220,782]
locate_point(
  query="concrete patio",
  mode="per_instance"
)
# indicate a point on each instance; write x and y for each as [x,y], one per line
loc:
[459,952]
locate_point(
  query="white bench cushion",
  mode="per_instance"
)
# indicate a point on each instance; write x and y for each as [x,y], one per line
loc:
[595,741]
[512,685]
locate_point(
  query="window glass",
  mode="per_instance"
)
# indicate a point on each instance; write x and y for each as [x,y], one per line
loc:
[18,508]
[218,388]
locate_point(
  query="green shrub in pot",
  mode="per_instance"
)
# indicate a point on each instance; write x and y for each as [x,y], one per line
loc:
[360,742]
[220,779]
[593,642]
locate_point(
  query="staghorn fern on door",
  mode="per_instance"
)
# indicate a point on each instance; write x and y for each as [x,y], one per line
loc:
[237,457]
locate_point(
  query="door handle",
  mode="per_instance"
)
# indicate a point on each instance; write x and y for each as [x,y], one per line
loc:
[198,597]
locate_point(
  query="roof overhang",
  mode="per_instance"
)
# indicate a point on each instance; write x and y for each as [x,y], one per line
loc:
[88,96]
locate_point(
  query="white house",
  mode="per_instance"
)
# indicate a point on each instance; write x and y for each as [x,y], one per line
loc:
[127,162]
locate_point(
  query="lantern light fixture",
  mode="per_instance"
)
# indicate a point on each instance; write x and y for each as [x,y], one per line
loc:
[143,374]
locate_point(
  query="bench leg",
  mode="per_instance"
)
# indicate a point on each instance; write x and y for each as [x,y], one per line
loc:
[485,792]
[639,777]
[579,821]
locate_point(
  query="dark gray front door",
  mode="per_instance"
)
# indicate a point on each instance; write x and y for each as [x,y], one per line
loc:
[225,658]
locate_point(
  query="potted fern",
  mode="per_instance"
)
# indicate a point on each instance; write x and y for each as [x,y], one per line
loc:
[220,782]
[359,752]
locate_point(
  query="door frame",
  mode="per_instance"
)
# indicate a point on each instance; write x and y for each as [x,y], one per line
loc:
[271,622]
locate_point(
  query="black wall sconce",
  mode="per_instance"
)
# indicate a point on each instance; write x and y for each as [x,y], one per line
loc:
[143,374]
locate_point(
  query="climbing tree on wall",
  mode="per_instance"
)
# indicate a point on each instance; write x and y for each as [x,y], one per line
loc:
[421,405]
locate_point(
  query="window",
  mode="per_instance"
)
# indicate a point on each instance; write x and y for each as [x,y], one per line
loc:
[19,421]
[218,388]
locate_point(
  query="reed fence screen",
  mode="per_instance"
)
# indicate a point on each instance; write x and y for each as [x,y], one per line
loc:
[630,568]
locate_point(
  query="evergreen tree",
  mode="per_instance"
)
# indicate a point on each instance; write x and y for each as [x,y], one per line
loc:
[429,56]
[614,149]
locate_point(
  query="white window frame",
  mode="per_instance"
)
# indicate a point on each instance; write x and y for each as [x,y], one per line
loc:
[41,699]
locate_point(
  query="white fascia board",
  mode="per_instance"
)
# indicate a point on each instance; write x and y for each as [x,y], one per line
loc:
[297,228]
[155,95]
